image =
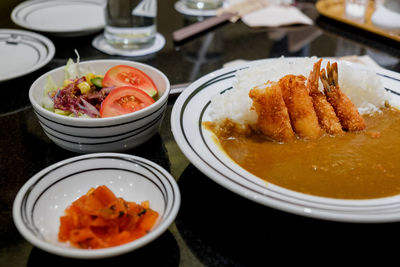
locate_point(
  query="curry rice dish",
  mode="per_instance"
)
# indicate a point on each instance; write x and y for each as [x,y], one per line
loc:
[315,141]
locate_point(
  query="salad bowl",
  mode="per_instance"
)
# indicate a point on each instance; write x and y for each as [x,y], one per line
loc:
[110,134]
[42,200]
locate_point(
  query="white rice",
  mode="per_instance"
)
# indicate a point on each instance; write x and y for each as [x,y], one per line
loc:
[364,88]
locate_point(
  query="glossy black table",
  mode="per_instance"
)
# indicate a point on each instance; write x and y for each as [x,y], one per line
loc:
[214,227]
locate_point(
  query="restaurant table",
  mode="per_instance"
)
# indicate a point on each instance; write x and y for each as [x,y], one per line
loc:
[214,227]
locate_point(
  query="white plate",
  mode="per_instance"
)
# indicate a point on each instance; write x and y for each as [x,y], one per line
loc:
[191,109]
[43,199]
[22,52]
[61,17]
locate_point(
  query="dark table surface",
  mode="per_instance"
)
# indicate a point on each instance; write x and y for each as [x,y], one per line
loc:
[214,226]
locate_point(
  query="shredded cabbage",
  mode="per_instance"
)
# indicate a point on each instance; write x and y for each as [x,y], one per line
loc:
[69,100]
[74,70]
[71,70]
[49,88]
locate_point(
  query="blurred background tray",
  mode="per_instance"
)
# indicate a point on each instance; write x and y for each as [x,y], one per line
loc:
[335,9]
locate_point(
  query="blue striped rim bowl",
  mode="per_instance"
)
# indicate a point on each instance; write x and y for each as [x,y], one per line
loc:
[113,134]
[43,199]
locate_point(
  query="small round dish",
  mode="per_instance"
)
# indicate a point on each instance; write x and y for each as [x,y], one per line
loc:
[62,17]
[42,200]
[101,44]
[183,9]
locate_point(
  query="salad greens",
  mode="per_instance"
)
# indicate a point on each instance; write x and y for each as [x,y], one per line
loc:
[80,96]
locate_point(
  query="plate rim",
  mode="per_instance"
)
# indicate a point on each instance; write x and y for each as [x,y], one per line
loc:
[46,42]
[100,43]
[263,199]
[27,4]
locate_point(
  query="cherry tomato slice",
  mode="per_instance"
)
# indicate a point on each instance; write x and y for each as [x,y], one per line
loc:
[123,100]
[123,75]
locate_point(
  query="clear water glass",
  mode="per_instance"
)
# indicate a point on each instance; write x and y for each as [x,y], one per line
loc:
[356,9]
[130,24]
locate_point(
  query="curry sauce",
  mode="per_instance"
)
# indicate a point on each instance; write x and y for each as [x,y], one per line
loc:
[355,165]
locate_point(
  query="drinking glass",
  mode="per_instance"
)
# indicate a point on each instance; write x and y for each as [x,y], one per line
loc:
[356,9]
[130,24]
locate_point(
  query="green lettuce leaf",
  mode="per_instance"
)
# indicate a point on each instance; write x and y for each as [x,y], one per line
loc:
[71,70]
[49,87]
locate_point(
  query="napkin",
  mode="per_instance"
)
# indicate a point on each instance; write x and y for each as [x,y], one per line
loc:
[275,16]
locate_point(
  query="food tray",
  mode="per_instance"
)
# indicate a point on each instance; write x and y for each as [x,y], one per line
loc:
[335,9]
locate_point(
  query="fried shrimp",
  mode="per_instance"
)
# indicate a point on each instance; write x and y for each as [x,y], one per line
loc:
[273,117]
[300,107]
[326,114]
[345,110]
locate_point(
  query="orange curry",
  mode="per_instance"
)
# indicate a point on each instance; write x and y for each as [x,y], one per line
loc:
[355,165]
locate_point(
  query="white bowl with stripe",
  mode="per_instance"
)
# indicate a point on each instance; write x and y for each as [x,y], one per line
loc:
[114,134]
[43,199]
[192,108]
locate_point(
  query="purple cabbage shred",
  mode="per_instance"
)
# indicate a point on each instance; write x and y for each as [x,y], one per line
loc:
[71,99]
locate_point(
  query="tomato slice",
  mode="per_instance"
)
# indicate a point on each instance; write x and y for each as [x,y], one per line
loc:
[123,100]
[123,75]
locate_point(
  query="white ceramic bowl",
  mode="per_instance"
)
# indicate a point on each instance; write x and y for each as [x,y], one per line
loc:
[114,134]
[42,200]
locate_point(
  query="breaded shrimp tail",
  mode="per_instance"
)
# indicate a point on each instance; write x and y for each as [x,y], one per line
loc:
[273,117]
[300,107]
[326,114]
[345,110]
